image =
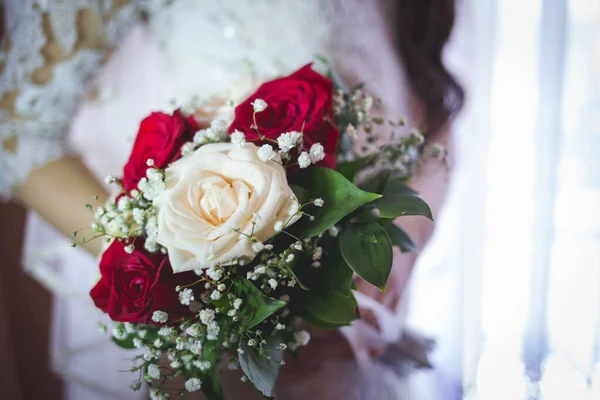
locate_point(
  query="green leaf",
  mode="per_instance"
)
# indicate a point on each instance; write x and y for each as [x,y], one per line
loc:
[126,343]
[368,251]
[317,323]
[350,168]
[337,272]
[257,306]
[399,238]
[340,195]
[259,369]
[211,380]
[332,307]
[398,200]
[301,194]
[209,351]
[376,184]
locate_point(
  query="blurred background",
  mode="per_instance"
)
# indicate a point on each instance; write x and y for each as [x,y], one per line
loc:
[516,256]
[512,276]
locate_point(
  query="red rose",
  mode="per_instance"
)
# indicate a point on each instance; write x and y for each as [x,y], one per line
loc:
[160,138]
[135,285]
[302,99]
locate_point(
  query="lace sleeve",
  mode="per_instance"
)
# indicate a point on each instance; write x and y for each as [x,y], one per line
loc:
[50,52]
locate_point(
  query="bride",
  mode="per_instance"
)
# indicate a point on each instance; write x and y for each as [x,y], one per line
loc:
[79,75]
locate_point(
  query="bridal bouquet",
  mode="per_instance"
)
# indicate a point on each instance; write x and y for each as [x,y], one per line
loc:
[226,242]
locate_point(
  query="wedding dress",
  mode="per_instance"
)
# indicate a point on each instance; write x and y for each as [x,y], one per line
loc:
[164,54]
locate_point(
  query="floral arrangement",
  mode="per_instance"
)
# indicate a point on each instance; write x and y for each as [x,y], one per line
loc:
[226,242]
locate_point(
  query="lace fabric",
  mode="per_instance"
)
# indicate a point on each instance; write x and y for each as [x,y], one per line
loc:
[49,56]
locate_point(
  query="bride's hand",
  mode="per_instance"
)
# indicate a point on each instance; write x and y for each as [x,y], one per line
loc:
[297,377]
[392,297]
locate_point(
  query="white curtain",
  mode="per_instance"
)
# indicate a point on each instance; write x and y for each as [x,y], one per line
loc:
[510,284]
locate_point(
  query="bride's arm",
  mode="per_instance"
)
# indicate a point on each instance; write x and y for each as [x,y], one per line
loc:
[50,54]
[58,192]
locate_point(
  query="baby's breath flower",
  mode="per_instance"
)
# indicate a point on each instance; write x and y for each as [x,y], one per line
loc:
[282,346]
[297,246]
[334,231]
[238,138]
[193,384]
[155,394]
[119,332]
[352,131]
[319,202]
[237,303]
[265,153]
[290,258]
[367,103]
[207,316]
[187,148]
[251,342]
[110,179]
[150,162]
[287,141]
[137,343]
[278,226]
[315,264]
[317,153]
[152,354]
[99,212]
[214,273]
[153,371]
[302,338]
[160,317]
[200,136]
[135,386]
[150,244]
[280,327]
[211,134]
[202,365]
[212,331]
[193,330]
[219,126]
[232,312]
[258,246]
[165,331]
[260,269]
[186,296]
[215,295]
[259,105]
[273,283]
[251,276]
[196,347]
[317,254]
[304,160]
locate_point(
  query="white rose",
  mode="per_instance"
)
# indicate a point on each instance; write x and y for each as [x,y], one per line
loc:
[211,193]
